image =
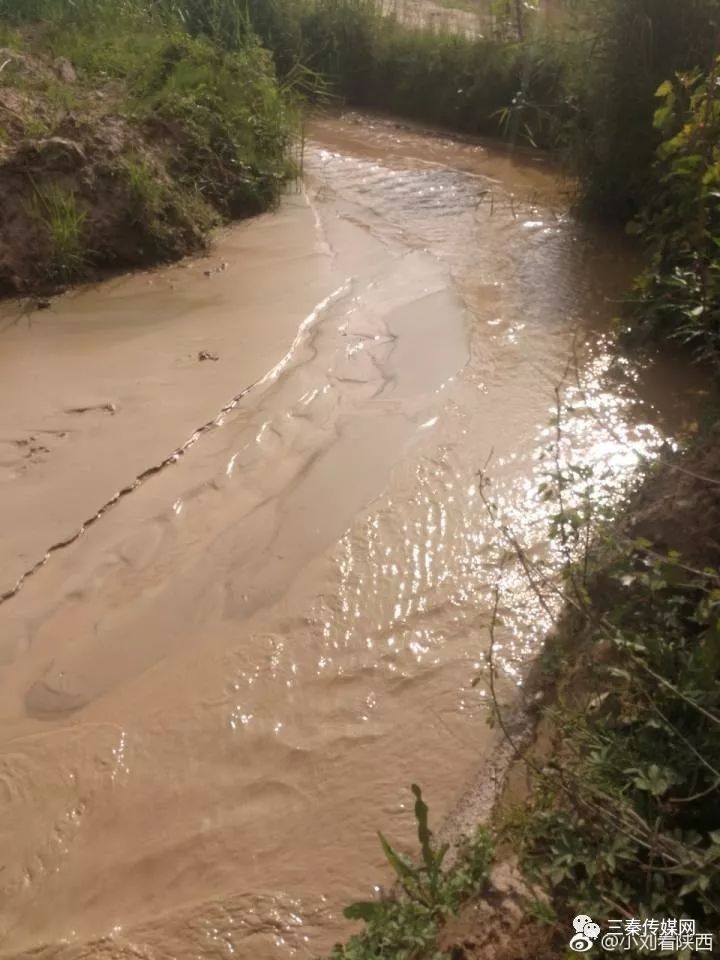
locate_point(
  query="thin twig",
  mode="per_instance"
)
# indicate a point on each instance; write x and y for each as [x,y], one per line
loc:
[491,664]
[671,686]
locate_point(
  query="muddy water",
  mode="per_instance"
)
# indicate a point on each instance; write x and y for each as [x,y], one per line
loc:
[211,699]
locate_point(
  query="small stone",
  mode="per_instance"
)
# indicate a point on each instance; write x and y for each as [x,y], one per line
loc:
[43,304]
[206,355]
[64,70]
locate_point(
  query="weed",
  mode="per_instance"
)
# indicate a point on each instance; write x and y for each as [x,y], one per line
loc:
[56,208]
[407,926]
[35,126]
[10,37]
[165,217]
[59,96]
[144,182]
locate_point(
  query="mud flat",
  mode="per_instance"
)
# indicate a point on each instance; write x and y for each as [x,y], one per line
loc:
[112,379]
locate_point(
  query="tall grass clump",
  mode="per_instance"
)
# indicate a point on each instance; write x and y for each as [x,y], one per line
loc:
[433,75]
[57,209]
[229,122]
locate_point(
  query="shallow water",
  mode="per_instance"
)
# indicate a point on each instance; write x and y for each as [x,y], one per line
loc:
[211,700]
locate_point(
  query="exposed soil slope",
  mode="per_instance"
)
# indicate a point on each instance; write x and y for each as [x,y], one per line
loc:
[101,172]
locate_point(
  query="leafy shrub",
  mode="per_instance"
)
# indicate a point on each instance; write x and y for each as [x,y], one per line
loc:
[406,926]
[679,292]
[627,818]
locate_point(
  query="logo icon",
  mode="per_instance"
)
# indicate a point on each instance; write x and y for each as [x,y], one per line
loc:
[586,932]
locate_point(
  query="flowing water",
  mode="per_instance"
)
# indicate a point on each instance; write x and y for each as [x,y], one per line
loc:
[213,697]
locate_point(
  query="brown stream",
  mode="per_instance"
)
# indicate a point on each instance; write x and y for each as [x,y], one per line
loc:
[215,695]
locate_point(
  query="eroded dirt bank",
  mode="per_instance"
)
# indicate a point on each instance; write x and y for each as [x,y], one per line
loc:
[114,160]
[211,700]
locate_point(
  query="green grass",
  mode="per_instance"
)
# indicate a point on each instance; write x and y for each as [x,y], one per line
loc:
[102,38]
[57,209]
[10,36]
[143,178]
[166,217]
[232,126]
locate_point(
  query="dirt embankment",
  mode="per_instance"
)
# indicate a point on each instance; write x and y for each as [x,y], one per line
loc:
[70,192]
[97,174]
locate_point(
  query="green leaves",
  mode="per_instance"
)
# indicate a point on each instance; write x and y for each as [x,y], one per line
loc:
[432,858]
[426,884]
[630,814]
[404,927]
[653,779]
[394,931]
[366,910]
[678,295]
[408,875]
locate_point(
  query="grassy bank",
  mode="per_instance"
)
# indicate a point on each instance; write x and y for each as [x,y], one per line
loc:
[124,139]
[624,821]
[581,81]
